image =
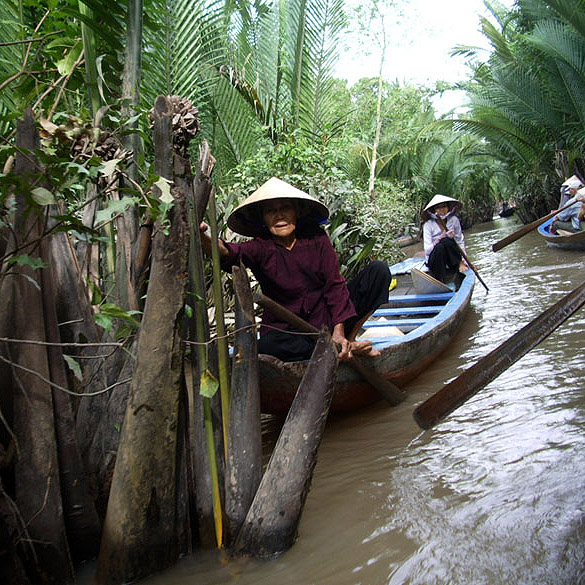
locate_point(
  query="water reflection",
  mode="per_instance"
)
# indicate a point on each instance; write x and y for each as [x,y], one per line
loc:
[493,495]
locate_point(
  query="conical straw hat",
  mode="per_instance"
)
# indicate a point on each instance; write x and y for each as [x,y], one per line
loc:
[247,220]
[441,199]
[573,182]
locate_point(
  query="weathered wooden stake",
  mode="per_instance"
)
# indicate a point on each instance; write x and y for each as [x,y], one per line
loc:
[271,525]
[244,461]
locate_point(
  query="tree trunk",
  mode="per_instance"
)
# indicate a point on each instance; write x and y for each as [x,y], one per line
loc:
[81,520]
[15,555]
[101,454]
[36,472]
[139,534]
[244,462]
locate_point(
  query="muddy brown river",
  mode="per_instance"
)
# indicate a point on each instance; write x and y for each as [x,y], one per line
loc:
[493,495]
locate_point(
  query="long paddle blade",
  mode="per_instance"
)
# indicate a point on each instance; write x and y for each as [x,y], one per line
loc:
[456,392]
[525,229]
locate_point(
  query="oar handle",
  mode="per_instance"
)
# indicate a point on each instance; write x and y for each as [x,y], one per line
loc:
[527,228]
[390,392]
[470,264]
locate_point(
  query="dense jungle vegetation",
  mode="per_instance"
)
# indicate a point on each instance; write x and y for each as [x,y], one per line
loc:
[268,105]
[253,96]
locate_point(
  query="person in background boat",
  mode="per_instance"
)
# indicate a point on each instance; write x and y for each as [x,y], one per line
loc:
[296,265]
[569,189]
[571,219]
[443,238]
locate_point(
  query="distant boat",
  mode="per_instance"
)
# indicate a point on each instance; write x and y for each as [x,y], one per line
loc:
[506,210]
[411,330]
[563,239]
[408,239]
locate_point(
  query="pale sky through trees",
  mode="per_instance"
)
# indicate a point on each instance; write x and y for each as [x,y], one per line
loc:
[420,43]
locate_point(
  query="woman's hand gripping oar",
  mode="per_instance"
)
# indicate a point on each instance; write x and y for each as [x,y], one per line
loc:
[456,392]
[390,392]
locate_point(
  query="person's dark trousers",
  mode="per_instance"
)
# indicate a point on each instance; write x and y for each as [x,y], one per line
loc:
[444,259]
[368,290]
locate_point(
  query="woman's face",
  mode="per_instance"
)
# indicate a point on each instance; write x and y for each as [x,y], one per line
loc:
[442,209]
[280,217]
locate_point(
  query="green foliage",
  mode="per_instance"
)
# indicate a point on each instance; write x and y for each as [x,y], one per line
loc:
[527,100]
[109,313]
[359,228]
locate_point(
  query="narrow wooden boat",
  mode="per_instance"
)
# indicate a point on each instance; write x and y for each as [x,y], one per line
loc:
[563,239]
[410,331]
[508,212]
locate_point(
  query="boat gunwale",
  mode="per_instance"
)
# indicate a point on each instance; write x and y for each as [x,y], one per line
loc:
[574,241]
[453,305]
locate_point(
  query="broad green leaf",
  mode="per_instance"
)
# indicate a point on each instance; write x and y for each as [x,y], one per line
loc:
[73,366]
[165,189]
[104,321]
[108,168]
[208,384]
[42,196]
[26,260]
[113,208]
[65,66]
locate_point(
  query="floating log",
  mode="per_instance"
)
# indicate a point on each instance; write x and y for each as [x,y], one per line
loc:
[271,525]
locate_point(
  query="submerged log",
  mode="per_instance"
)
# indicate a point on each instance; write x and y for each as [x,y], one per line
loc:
[244,461]
[271,525]
[139,535]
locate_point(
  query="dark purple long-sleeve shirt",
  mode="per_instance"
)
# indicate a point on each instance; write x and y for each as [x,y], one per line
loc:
[306,279]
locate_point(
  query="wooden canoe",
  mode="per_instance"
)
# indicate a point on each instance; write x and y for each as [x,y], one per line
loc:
[410,331]
[564,240]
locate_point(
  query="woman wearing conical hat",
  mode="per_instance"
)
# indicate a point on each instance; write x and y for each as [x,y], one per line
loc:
[443,238]
[569,189]
[296,265]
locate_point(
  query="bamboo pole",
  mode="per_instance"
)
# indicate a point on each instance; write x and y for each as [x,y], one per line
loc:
[222,344]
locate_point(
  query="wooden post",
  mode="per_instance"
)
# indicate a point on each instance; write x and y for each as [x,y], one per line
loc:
[244,461]
[271,525]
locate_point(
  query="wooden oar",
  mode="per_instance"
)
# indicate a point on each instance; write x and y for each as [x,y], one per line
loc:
[525,229]
[443,225]
[390,392]
[456,392]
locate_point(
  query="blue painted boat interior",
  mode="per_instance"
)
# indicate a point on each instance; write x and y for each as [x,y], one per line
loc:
[418,320]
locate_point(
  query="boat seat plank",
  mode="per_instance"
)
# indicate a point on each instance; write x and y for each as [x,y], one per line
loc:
[396,322]
[408,311]
[427,297]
